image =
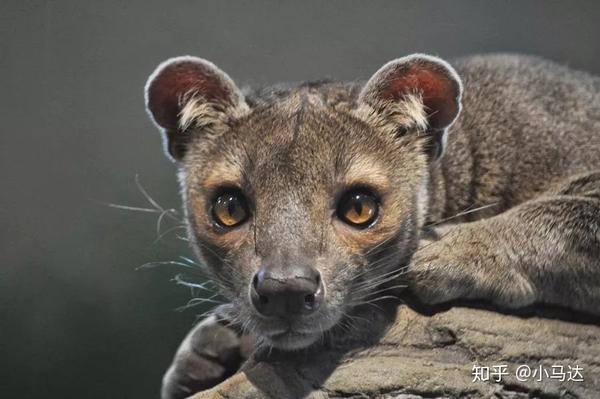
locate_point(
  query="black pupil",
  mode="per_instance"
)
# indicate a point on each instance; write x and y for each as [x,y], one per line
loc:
[358,204]
[232,205]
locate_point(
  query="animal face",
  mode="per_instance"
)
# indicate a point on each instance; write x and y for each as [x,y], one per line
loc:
[303,205]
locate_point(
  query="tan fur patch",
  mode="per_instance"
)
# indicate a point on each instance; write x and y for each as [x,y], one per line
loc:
[223,174]
[365,169]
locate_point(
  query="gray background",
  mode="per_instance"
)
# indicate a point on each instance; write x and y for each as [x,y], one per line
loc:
[77,319]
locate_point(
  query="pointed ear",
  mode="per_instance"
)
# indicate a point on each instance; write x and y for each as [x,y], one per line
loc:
[414,92]
[187,94]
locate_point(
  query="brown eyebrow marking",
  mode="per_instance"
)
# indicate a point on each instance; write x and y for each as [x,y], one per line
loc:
[223,174]
[366,170]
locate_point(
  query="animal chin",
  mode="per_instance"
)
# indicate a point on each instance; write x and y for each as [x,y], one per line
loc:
[293,337]
[292,340]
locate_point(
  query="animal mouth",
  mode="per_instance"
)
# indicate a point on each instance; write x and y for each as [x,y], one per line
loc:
[291,339]
[295,333]
[289,332]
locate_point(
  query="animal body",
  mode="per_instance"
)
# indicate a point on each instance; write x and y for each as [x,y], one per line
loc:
[307,203]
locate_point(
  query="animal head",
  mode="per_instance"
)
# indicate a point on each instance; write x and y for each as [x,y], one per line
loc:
[303,202]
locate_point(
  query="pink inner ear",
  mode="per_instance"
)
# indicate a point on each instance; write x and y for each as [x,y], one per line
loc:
[177,80]
[439,92]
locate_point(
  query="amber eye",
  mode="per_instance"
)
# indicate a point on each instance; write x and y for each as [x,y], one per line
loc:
[230,209]
[358,208]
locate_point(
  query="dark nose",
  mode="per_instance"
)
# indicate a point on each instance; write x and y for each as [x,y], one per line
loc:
[286,294]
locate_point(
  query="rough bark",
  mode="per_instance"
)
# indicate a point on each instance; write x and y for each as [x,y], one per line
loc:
[432,356]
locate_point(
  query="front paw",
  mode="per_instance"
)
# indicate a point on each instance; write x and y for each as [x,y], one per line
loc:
[210,353]
[468,261]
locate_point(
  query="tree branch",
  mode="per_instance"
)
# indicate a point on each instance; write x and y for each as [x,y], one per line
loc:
[433,356]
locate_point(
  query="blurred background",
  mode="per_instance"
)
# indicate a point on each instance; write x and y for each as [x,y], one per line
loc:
[76,316]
